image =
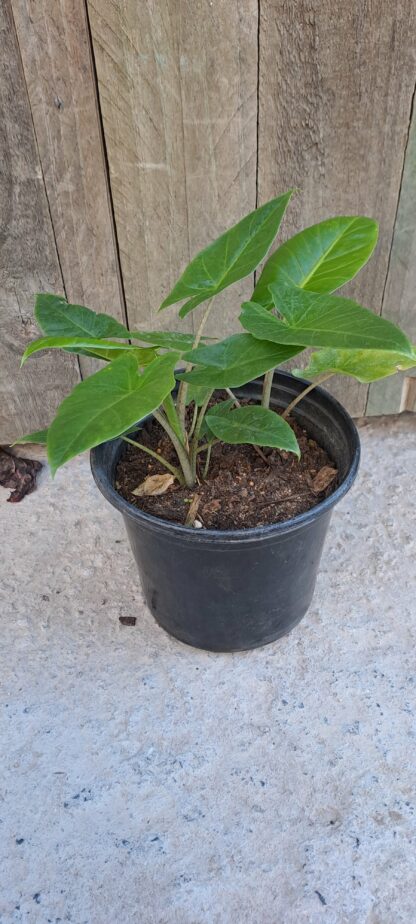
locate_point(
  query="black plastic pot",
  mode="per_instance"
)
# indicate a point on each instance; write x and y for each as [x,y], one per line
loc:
[238,589]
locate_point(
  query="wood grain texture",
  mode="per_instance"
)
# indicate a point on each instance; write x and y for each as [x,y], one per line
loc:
[399,299]
[55,48]
[177,85]
[28,257]
[335,93]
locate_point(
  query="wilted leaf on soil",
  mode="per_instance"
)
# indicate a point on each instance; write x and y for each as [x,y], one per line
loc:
[323,479]
[153,485]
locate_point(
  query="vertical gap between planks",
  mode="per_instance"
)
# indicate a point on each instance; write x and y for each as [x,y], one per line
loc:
[38,152]
[258,116]
[106,164]
[193,317]
[406,145]
[35,137]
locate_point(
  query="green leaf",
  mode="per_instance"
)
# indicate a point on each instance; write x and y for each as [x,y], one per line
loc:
[221,409]
[311,319]
[57,318]
[321,258]
[197,394]
[168,340]
[107,404]
[235,361]
[255,425]
[89,343]
[231,257]
[364,365]
[172,416]
[144,357]
[38,436]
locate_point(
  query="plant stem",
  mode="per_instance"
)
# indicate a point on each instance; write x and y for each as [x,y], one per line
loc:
[183,387]
[195,438]
[180,450]
[155,455]
[204,446]
[267,388]
[232,395]
[194,420]
[172,417]
[319,380]
[207,461]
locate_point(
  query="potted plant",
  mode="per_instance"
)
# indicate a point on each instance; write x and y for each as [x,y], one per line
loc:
[226,472]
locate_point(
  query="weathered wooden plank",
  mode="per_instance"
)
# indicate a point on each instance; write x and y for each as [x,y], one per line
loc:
[55,48]
[28,258]
[177,84]
[336,85]
[408,396]
[399,300]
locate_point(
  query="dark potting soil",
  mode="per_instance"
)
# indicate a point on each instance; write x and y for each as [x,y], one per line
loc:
[242,489]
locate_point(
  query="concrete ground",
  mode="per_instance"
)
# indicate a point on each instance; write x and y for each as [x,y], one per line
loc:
[144,781]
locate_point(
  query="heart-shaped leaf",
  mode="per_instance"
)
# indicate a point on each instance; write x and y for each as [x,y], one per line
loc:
[57,318]
[107,403]
[100,348]
[321,258]
[255,425]
[235,361]
[311,319]
[231,257]
[364,365]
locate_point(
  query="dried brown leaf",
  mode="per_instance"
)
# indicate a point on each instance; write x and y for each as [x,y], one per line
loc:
[211,507]
[153,485]
[323,479]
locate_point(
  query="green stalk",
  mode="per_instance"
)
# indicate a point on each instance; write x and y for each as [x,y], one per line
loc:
[207,461]
[198,425]
[155,455]
[183,387]
[319,380]
[180,449]
[172,417]
[194,420]
[267,388]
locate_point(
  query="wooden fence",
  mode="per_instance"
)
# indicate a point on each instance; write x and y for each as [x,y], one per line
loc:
[132,133]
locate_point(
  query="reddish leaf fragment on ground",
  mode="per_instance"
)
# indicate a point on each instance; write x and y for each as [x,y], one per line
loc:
[18,474]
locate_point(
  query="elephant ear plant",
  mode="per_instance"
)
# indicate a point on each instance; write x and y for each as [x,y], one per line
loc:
[292,308]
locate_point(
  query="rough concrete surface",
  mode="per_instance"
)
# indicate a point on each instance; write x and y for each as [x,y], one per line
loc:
[144,781]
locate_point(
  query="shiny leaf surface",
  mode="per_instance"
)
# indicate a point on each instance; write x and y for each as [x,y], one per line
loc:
[364,365]
[253,425]
[38,436]
[231,257]
[321,258]
[107,404]
[311,319]
[57,318]
[235,361]
[99,348]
